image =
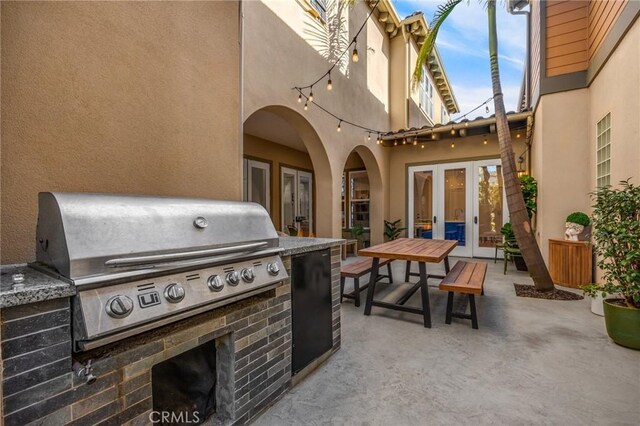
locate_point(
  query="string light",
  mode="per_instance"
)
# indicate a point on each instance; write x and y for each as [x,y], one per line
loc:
[453,132]
[395,142]
[354,55]
[404,141]
[310,98]
[339,127]
[518,135]
[453,144]
[486,107]
[422,146]
[484,141]
[329,84]
[300,98]
[415,140]
[306,106]
[369,136]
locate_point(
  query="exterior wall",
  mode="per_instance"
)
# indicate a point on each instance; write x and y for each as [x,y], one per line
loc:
[567,25]
[354,95]
[469,148]
[535,48]
[279,156]
[602,16]
[97,99]
[560,162]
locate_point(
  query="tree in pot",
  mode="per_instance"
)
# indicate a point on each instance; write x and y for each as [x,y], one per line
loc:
[616,222]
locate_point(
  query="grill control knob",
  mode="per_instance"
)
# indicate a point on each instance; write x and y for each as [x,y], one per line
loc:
[233,278]
[174,293]
[247,275]
[119,306]
[215,283]
[273,268]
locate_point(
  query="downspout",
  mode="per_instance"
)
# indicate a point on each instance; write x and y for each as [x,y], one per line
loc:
[527,70]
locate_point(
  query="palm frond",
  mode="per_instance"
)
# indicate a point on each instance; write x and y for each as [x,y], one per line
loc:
[441,14]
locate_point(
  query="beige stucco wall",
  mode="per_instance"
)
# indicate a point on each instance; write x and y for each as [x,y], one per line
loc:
[564,148]
[466,149]
[560,162]
[296,62]
[278,156]
[139,97]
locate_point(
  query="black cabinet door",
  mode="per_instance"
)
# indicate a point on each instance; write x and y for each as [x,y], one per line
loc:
[310,307]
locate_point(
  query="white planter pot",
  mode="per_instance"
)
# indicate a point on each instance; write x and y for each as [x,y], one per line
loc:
[597,306]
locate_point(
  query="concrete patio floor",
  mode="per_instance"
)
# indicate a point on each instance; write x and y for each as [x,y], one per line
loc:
[531,362]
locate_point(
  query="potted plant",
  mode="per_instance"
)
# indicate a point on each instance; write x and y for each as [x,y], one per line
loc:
[576,226]
[357,232]
[616,222]
[511,249]
[392,230]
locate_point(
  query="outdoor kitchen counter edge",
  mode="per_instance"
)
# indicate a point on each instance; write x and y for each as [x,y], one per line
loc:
[297,245]
[38,287]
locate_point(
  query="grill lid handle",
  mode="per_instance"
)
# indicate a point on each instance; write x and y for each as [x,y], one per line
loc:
[172,257]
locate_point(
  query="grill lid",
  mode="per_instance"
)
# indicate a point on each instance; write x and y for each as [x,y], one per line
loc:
[103,235]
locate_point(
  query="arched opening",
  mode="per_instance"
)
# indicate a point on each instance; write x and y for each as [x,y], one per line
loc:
[287,170]
[362,198]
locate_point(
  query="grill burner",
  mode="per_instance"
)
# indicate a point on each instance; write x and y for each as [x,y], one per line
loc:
[142,262]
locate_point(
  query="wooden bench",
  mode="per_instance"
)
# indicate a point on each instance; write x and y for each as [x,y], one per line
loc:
[466,278]
[357,269]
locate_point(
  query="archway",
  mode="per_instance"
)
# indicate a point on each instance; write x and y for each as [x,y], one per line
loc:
[363,196]
[288,157]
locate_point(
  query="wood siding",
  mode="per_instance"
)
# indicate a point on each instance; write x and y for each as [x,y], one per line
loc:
[602,15]
[567,24]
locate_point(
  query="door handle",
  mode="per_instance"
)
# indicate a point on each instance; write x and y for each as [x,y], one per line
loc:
[435,219]
[475,220]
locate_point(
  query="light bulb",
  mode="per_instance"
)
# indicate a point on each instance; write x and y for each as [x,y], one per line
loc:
[415,140]
[433,136]
[300,98]
[354,55]
[306,106]
[339,127]
[422,146]
[329,84]
[453,132]
[486,108]
[453,144]
[518,135]
[484,141]
[395,143]
[310,98]
[369,136]
[404,141]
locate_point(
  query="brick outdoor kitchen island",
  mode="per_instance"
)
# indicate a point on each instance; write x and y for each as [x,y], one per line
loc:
[252,340]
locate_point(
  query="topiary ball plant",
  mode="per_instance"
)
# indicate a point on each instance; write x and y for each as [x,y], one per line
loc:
[579,218]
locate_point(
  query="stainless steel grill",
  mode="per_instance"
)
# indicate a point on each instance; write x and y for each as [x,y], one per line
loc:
[141,262]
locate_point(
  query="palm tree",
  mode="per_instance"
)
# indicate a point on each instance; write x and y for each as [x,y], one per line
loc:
[517,210]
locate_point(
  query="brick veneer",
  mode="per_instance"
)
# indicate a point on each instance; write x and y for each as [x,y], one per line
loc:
[253,337]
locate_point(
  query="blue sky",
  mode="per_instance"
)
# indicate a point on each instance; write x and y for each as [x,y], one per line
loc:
[463,45]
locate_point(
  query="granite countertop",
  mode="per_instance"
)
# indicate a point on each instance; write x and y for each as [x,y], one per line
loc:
[297,245]
[37,287]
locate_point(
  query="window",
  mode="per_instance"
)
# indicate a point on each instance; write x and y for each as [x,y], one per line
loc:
[444,115]
[320,6]
[603,152]
[359,199]
[426,93]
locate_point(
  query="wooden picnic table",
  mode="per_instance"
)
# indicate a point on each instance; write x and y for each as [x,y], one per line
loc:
[418,250]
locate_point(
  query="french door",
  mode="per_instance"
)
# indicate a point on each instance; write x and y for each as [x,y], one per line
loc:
[257,183]
[458,201]
[296,188]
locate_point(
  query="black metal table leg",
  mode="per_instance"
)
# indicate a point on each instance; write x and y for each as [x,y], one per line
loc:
[356,290]
[449,307]
[390,273]
[407,271]
[424,289]
[446,265]
[372,285]
[472,305]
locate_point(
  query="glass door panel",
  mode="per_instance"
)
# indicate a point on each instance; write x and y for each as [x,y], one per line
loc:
[423,186]
[289,199]
[489,215]
[258,180]
[305,209]
[455,206]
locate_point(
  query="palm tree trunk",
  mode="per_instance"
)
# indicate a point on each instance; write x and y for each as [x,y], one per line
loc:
[517,210]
